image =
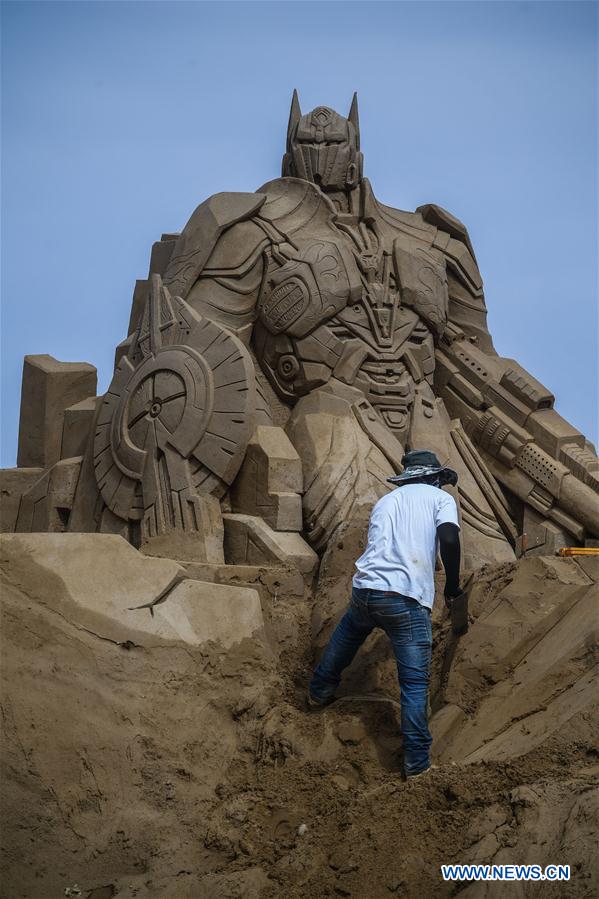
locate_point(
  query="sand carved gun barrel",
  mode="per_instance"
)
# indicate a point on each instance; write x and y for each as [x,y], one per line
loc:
[527,445]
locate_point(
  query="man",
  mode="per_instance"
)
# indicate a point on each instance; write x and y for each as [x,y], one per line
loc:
[394,589]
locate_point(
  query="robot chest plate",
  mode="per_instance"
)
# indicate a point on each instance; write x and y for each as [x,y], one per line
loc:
[318,281]
[321,278]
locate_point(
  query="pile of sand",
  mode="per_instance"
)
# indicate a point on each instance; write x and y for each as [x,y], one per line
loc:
[158,766]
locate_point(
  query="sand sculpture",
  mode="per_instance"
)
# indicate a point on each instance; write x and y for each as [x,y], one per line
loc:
[284,351]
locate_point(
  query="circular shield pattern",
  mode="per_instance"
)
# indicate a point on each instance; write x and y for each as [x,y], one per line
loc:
[176,419]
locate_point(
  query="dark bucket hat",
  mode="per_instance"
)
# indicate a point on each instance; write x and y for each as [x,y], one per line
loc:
[423,463]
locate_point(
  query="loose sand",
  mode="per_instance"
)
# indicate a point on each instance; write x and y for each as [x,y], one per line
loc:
[171,770]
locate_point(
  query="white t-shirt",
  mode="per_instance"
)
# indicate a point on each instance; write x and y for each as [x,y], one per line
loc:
[401,550]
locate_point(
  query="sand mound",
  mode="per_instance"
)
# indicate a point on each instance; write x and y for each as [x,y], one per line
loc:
[148,761]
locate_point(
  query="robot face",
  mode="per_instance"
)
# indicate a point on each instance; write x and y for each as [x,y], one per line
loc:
[323,147]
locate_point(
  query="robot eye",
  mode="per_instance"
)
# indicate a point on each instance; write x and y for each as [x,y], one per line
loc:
[316,145]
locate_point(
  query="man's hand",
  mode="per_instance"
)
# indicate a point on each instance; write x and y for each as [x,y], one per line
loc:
[450,594]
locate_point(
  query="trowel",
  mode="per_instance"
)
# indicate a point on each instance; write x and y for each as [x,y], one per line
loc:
[459,613]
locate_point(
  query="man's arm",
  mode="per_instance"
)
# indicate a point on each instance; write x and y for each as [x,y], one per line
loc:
[449,547]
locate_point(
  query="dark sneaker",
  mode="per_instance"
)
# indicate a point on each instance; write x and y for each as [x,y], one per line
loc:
[313,704]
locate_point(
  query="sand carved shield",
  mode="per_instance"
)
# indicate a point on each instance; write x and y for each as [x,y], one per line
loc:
[177,418]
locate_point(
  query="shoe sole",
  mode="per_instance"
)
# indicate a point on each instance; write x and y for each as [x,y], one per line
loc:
[420,773]
[314,706]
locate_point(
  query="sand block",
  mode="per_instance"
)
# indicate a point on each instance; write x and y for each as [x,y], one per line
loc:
[270,482]
[48,388]
[103,585]
[14,482]
[78,420]
[197,613]
[47,504]
[267,579]
[542,537]
[202,545]
[250,541]
[526,662]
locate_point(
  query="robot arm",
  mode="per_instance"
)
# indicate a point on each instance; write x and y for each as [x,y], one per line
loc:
[528,446]
[467,311]
[530,449]
[215,264]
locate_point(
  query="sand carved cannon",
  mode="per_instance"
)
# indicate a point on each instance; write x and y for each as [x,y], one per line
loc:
[285,350]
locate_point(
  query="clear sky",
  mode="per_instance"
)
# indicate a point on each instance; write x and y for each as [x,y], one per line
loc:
[120,117]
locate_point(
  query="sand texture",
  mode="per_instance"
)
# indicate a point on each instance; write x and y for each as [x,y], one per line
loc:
[165,753]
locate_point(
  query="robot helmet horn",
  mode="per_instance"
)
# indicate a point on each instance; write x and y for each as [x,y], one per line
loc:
[295,115]
[354,119]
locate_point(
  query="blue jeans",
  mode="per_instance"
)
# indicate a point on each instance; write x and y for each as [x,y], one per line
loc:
[408,626]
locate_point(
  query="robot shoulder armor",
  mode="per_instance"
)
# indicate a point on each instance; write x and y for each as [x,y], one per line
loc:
[198,239]
[454,241]
[237,249]
[293,202]
[227,207]
[445,221]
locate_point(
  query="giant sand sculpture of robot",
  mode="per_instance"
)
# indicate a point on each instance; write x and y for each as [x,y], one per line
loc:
[285,350]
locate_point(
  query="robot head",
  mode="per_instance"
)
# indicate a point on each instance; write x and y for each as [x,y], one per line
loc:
[323,147]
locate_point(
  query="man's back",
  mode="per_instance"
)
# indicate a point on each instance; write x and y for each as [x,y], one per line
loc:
[402,539]
[394,589]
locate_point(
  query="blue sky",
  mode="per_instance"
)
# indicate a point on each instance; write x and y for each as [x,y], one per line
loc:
[118,118]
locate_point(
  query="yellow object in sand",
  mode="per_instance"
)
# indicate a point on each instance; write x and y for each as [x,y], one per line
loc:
[579,551]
